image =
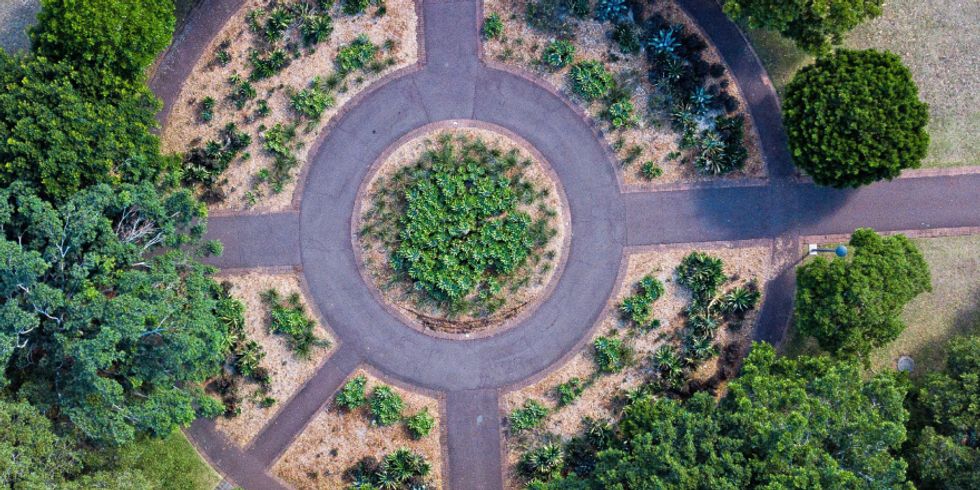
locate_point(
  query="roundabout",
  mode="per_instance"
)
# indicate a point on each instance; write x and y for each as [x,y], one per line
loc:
[453,83]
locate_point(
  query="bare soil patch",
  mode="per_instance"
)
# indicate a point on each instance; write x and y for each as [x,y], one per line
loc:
[287,372]
[335,440]
[520,298]
[602,399]
[395,32]
[522,46]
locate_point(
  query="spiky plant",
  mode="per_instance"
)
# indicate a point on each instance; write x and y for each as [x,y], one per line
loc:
[665,42]
[611,10]
[558,53]
[542,462]
[739,300]
[700,100]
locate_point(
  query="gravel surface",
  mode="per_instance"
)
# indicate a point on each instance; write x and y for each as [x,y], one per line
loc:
[15,17]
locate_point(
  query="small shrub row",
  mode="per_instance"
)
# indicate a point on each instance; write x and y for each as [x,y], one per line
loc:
[385,406]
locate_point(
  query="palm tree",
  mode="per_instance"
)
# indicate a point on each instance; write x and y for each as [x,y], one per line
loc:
[543,461]
[739,300]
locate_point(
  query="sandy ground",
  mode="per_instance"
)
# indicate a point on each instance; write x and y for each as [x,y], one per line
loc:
[334,441]
[599,400]
[405,299]
[184,131]
[15,17]
[520,45]
[288,372]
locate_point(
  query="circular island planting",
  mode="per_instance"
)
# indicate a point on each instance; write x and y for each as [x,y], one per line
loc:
[461,230]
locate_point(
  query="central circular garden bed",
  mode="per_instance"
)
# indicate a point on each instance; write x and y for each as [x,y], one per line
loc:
[461,229]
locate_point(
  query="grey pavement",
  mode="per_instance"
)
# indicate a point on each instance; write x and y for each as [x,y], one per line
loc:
[16,16]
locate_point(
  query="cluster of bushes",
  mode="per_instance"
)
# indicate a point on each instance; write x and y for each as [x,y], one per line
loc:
[455,228]
[400,470]
[287,317]
[384,406]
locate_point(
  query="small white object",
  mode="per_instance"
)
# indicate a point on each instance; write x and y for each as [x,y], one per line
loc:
[812,249]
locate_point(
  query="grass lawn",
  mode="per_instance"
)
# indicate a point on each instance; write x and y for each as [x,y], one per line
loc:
[939,41]
[172,463]
[951,309]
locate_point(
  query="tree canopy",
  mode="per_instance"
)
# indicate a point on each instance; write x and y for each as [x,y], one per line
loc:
[61,140]
[811,422]
[112,42]
[854,117]
[814,25]
[101,325]
[852,305]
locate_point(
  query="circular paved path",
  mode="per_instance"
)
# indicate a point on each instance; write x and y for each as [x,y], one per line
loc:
[454,83]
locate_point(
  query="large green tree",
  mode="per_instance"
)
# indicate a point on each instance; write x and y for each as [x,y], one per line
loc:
[946,453]
[112,42]
[854,117]
[852,305]
[60,139]
[814,25]
[104,322]
[811,422]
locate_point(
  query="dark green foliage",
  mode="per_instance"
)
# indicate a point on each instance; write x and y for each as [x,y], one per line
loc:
[739,301]
[784,423]
[627,37]
[355,7]
[420,424]
[650,170]
[356,55]
[611,354]
[814,26]
[105,327]
[400,470]
[543,462]
[204,166]
[277,21]
[386,406]
[278,142]
[570,390]
[461,231]
[290,319]
[854,117]
[558,53]
[61,140]
[314,27]
[621,114]
[311,101]
[590,80]
[266,65]
[493,26]
[945,452]
[638,307]
[852,305]
[206,112]
[352,395]
[529,416]
[110,42]
[242,91]
[614,11]
[555,16]
[702,274]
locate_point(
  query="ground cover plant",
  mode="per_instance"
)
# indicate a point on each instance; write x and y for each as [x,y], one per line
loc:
[288,317]
[400,470]
[854,117]
[463,226]
[645,73]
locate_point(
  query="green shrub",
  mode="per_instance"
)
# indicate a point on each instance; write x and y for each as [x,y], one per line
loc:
[558,53]
[278,142]
[611,10]
[352,396]
[627,37]
[590,80]
[639,306]
[242,91]
[356,55]
[555,16]
[702,274]
[650,170]
[493,27]
[110,42]
[621,114]
[401,470]
[386,406]
[314,27]
[267,65]
[529,416]
[543,462]
[206,112]
[288,318]
[311,101]
[354,7]
[204,166]
[570,390]
[739,300]
[276,22]
[814,26]
[420,424]
[854,117]
[611,355]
